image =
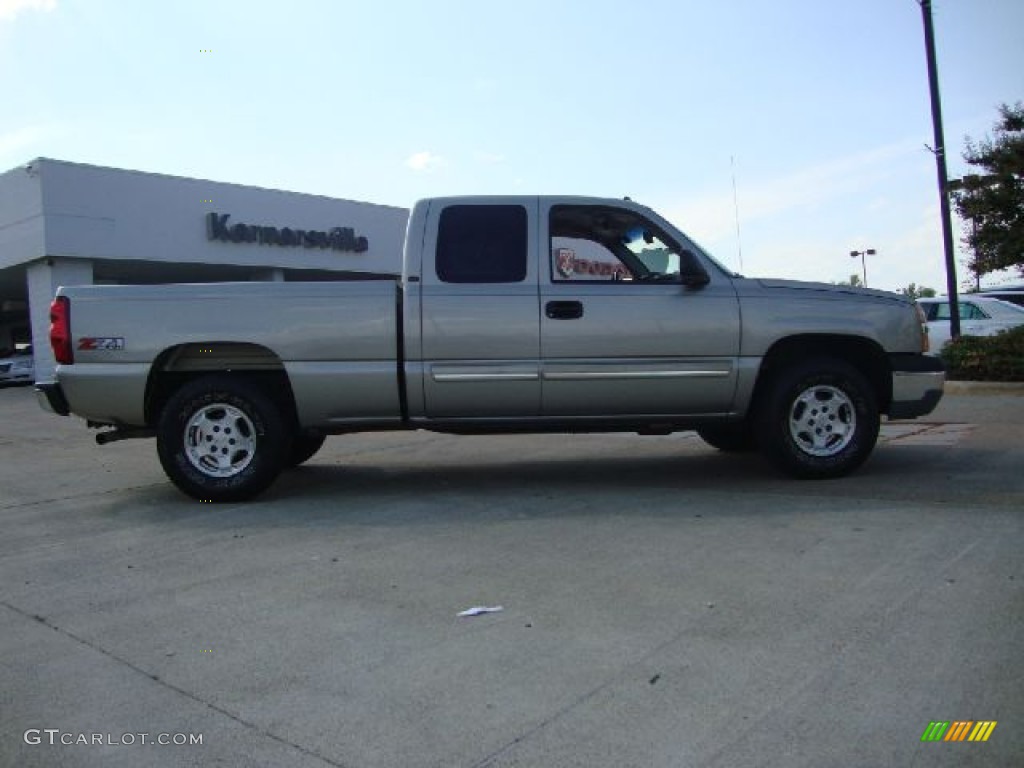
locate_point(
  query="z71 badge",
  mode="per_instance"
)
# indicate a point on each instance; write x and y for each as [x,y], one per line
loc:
[97,343]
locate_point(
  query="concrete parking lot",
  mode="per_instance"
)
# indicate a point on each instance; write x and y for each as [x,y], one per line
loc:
[663,604]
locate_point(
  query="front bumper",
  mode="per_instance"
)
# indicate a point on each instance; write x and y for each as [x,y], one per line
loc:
[917,385]
[51,398]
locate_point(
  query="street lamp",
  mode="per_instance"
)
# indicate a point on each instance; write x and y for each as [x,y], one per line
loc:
[863,264]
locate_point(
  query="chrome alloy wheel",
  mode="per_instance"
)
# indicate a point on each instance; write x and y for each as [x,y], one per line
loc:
[822,421]
[220,440]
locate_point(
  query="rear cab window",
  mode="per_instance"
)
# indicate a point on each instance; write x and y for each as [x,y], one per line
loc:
[482,244]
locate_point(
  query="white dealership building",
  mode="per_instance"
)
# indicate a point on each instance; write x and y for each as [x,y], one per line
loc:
[67,223]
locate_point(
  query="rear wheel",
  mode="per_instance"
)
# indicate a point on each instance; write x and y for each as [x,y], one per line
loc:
[220,438]
[820,419]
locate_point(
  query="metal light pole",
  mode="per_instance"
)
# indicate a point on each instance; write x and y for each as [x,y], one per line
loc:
[863,264]
[940,166]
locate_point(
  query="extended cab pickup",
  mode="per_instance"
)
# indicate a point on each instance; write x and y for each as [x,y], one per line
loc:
[512,314]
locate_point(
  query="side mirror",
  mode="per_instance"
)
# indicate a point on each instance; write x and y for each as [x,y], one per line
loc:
[691,272]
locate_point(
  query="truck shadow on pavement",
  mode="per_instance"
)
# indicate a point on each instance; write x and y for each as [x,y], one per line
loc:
[336,490]
[704,471]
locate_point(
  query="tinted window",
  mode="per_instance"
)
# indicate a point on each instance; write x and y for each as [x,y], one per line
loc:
[482,244]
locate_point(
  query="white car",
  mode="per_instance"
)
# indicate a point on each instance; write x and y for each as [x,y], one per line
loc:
[1012,295]
[979,316]
[18,369]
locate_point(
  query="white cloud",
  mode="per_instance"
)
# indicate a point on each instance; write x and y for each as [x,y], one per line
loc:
[488,158]
[16,145]
[713,216]
[803,224]
[9,9]
[424,162]
[910,253]
[485,86]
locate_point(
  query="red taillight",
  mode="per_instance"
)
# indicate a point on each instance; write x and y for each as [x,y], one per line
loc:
[60,330]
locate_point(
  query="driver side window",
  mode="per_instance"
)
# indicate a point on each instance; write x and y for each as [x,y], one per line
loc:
[598,244]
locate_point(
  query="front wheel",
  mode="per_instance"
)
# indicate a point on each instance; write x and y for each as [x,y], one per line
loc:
[820,419]
[220,438]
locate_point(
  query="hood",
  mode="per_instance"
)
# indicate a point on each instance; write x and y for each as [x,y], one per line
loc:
[825,288]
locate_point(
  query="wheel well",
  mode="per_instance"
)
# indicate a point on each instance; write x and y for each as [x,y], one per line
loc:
[183,363]
[863,354]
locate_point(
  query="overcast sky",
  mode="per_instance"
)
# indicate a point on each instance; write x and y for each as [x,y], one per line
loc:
[819,109]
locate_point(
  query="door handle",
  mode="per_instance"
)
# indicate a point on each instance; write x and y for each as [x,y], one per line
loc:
[564,310]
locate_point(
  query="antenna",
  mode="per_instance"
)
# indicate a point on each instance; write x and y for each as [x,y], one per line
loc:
[736,209]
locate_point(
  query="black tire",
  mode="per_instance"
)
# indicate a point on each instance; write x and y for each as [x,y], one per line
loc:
[304,447]
[731,438]
[221,438]
[819,419]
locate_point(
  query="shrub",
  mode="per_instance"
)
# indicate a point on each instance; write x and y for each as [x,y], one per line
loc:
[986,358]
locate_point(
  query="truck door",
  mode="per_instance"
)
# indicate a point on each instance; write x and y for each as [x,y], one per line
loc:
[480,315]
[620,333]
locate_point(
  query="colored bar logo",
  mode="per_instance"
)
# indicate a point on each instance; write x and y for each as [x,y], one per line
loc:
[959,730]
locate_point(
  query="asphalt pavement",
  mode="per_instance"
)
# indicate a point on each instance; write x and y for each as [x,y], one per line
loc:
[662,604]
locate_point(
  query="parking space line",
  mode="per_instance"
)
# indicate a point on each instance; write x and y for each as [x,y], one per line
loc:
[940,434]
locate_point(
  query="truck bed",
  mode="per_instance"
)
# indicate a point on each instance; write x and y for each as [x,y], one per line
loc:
[318,332]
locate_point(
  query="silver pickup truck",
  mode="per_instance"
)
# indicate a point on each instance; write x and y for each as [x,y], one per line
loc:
[512,314]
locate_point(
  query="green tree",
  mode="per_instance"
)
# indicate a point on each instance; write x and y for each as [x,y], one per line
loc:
[854,281]
[915,291]
[993,201]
